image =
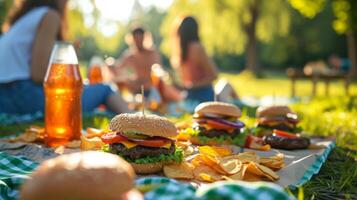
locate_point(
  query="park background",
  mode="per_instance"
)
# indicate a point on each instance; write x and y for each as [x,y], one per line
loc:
[253,42]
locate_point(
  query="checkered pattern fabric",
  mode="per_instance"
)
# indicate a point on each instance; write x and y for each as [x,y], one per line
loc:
[239,190]
[13,171]
[173,190]
[167,189]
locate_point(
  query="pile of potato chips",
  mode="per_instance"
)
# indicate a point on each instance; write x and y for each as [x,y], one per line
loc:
[218,163]
[92,141]
[36,134]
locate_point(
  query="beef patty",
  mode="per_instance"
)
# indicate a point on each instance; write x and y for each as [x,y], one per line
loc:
[281,127]
[139,151]
[216,132]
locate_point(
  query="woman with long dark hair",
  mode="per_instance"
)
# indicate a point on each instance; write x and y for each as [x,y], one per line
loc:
[196,70]
[31,30]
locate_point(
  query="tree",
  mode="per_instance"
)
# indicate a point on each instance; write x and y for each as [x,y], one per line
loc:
[345,21]
[233,27]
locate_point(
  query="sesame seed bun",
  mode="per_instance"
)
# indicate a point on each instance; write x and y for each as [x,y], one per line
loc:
[273,111]
[219,108]
[150,168]
[151,125]
[86,175]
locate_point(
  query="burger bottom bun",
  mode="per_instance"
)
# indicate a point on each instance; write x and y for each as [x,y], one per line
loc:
[196,140]
[150,168]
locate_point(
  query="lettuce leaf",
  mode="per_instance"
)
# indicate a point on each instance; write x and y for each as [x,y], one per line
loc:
[238,140]
[175,157]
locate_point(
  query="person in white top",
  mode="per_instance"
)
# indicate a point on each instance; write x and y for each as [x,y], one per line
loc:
[30,31]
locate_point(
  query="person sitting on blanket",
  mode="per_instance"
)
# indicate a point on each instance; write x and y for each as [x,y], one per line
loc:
[137,67]
[30,33]
[133,69]
[190,60]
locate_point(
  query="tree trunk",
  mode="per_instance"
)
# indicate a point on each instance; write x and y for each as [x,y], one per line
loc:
[251,48]
[352,53]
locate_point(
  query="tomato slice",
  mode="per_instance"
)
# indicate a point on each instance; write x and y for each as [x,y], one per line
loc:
[151,142]
[216,125]
[284,134]
[112,137]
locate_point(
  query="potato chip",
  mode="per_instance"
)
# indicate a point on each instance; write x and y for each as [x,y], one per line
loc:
[91,143]
[26,137]
[230,165]
[214,150]
[213,163]
[268,172]
[73,144]
[240,174]
[93,132]
[197,161]
[179,171]
[183,136]
[31,134]
[262,171]
[247,157]
[275,162]
[253,168]
[251,177]
[206,174]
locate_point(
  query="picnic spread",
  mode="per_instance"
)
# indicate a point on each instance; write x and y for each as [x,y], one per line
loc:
[181,168]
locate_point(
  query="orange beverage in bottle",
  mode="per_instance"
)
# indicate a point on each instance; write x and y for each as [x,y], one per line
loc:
[95,75]
[156,74]
[63,91]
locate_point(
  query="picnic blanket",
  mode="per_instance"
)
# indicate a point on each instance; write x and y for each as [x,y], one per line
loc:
[301,165]
[15,170]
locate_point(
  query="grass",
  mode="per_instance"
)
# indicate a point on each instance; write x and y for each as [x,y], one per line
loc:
[335,116]
[277,84]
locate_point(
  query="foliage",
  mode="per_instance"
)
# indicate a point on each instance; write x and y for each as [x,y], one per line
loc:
[334,117]
[231,19]
[344,11]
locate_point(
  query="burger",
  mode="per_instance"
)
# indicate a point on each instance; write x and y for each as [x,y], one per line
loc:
[145,141]
[83,175]
[216,123]
[276,117]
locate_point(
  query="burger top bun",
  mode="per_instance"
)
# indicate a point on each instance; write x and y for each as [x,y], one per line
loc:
[151,125]
[85,175]
[219,108]
[273,111]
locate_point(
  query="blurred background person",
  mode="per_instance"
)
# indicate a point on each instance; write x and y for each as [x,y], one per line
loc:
[341,65]
[133,69]
[189,58]
[31,31]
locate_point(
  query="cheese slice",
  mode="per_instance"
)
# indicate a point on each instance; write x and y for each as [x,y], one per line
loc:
[207,127]
[130,145]
[167,146]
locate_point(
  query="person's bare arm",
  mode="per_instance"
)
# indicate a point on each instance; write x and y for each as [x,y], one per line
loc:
[199,57]
[157,57]
[44,40]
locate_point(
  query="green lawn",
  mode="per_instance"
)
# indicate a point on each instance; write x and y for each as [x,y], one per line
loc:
[333,116]
[278,84]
